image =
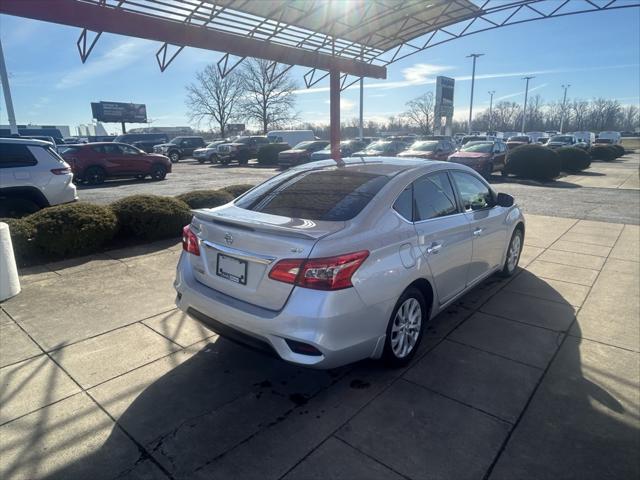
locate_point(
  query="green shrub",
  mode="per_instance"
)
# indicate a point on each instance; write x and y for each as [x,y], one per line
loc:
[22,232]
[533,161]
[238,189]
[151,217]
[268,155]
[205,198]
[573,159]
[72,229]
[620,151]
[603,152]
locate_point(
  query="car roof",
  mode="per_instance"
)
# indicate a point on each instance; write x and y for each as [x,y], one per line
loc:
[389,166]
[25,141]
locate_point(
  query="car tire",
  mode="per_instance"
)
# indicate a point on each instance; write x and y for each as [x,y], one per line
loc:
[513,253]
[243,158]
[17,207]
[213,158]
[94,176]
[174,157]
[405,328]
[201,161]
[158,172]
[503,172]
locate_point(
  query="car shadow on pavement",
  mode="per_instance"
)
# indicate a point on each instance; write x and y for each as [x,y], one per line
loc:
[185,414]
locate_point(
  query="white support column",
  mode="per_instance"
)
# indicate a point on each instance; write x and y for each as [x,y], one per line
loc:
[7,93]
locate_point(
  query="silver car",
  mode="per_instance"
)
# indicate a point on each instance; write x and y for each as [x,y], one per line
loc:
[325,265]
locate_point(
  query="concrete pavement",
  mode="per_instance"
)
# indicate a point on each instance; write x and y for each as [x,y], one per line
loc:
[536,377]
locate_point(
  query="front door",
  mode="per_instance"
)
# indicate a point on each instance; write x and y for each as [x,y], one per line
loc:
[487,224]
[443,234]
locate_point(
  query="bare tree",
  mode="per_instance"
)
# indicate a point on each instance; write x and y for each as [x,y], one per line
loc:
[420,112]
[214,99]
[579,112]
[630,118]
[506,115]
[269,97]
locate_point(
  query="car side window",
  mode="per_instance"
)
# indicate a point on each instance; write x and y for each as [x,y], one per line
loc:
[404,203]
[474,193]
[14,155]
[128,150]
[433,197]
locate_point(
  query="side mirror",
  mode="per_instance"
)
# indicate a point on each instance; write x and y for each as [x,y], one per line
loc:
[505,200]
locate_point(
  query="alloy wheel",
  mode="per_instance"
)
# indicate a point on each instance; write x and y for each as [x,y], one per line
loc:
[405,329]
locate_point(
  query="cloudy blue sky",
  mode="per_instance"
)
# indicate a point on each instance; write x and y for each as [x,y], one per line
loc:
[597,53]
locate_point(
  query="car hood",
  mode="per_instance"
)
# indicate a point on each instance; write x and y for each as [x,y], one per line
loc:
[294,152]
[417,153]
[470,155]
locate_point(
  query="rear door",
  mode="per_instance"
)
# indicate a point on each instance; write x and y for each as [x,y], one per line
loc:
[487,224]
[443,233]
[16,166]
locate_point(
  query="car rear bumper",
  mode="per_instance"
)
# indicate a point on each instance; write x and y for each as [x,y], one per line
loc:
[338,324]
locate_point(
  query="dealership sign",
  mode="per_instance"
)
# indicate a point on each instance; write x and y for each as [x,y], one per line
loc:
[119,112]
[444,96]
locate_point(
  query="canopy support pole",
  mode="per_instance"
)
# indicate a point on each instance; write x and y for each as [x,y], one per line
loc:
[334,114]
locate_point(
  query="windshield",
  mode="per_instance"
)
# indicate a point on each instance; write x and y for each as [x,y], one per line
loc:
[323,195]
[377,147]
[561,139]
[424,146]
[303,145]
[519,139]
[480,147]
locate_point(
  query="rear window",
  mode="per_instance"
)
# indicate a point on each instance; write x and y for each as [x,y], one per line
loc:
[14,155]
[325,195]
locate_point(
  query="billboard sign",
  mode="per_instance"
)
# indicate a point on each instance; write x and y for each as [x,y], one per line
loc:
[444,96]
[119,112]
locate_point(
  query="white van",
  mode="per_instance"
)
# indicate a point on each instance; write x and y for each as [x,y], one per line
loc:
[586,137]
[613,136]
[291,137]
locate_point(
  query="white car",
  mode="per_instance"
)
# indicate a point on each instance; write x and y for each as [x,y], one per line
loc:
[32,176]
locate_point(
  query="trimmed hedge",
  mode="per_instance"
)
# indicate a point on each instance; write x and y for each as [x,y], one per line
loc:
[238,189]
[71,229]
[205,198]
[603,152]
[534,162]
[573,159]
[151,217]
[268,155]
[22,232]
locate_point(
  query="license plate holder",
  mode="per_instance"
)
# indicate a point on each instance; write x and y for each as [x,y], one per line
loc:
[231,268]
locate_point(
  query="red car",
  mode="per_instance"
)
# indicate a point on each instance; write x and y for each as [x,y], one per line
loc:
[430,149]
[93,163]
[484,157]
[301,153]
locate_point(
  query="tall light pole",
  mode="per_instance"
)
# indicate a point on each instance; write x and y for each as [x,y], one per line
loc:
[564,103]
[473,79]
[526,93]
[491,93]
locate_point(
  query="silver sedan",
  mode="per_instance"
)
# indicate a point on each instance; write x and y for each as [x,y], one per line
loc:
[325,265]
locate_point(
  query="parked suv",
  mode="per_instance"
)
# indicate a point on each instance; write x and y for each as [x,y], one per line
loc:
[144,141]
[241,149]
[32,176]
[485,157]
[301,153]
[93,163]
[179,147]
[561,141]
[430,149]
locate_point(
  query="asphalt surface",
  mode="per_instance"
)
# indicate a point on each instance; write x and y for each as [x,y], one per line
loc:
[560,198]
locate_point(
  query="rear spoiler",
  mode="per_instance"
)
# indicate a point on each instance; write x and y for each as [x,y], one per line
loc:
[207,215]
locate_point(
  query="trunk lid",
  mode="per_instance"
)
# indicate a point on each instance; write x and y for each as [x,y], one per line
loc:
[238,248]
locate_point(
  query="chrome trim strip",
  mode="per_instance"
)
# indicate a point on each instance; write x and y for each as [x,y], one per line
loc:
[241,254]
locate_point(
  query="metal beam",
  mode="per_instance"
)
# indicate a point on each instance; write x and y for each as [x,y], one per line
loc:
[109,19]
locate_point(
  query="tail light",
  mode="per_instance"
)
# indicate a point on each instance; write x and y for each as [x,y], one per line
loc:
[190,241]
[330,273]
[60,171]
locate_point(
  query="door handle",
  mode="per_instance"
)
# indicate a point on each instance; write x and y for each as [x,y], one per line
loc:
[434,248]
[477,232]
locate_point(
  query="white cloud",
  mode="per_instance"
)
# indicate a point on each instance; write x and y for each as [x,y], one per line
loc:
[422,72]
[521,93]
[117,58]
[345,104]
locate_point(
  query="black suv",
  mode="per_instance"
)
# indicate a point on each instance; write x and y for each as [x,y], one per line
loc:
[179,147]
[241,149]
[144,141]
